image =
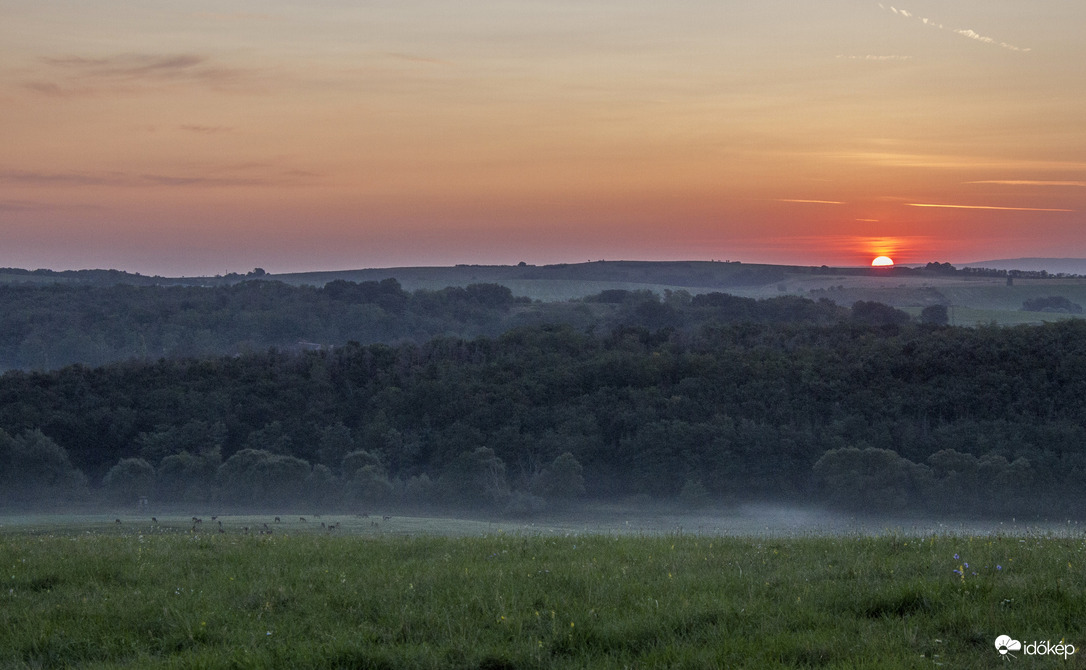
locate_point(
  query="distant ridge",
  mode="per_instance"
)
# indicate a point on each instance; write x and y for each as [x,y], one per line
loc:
[1076,266]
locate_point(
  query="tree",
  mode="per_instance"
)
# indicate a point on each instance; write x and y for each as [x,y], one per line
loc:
[935,314]
[186,477]
[35,469]
[370,485]
[358,459]
[1054,303]
[475,477]
[694,495]
[878,314]
[272,437]
[335,443]
[868,479]
[563,479]
[256,476]
[129,480]
[323,488]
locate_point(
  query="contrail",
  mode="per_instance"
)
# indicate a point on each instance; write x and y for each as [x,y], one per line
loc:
[1028,182]
[1012,209]
[964,32]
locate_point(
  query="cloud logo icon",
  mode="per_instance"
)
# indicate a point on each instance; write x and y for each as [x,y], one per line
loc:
[1004,644]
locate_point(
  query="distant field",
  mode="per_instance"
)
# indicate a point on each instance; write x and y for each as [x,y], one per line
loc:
[975,299]
[88,592]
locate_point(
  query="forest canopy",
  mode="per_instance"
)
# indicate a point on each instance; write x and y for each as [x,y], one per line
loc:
[711,397]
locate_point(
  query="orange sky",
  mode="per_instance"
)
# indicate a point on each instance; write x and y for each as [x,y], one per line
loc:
[210,137]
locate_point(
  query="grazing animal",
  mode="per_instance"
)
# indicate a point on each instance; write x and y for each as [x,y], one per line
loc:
[301,518]
[246,529]
[387,517]
[276,520]
[154,520]
[214,518]
[266,525]
[116,521]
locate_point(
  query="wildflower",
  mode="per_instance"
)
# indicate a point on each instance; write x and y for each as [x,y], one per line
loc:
[956,557]
[999,567]
[967,565]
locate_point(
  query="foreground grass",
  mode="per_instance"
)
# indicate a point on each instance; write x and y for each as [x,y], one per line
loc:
[178,600]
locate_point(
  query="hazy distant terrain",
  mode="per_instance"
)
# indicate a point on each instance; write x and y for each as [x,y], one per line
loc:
[973,299]
[50,319]
[1075,266]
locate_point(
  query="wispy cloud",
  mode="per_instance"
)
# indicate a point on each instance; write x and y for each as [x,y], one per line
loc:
[1009,209]
[874,58]
[964,32]
[31,178]
[206,130]
[414,58]
[950,162]
[814,202]
[1028,182]
[235,16]
[125,180]
[16,206]
[67,76]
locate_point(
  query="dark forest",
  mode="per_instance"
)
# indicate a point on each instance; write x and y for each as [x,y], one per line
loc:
[699,399]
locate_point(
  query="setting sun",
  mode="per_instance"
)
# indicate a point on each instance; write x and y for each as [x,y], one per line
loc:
[882,261]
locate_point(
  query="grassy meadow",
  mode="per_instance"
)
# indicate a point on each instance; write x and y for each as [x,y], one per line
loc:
[100,594]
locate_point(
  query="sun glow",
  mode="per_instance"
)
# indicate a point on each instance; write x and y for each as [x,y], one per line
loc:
[882,262]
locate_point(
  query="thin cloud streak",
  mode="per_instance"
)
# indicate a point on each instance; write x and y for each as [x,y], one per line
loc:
[1027,182]
[71,76]
[16,206]
[413,58]
[1010,209]
[893,159]
[964,32]
[206,130]
[116,179]
[873,57]
[814,202]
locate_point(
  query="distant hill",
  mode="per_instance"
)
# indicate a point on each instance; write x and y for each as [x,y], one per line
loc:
[1072,266]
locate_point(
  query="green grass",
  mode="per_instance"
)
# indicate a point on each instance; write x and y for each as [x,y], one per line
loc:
[114,596]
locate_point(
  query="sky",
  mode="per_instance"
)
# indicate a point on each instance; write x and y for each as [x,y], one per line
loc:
[200,138]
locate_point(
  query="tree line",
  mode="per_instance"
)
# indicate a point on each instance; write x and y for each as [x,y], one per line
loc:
[855,407]
[48,326]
